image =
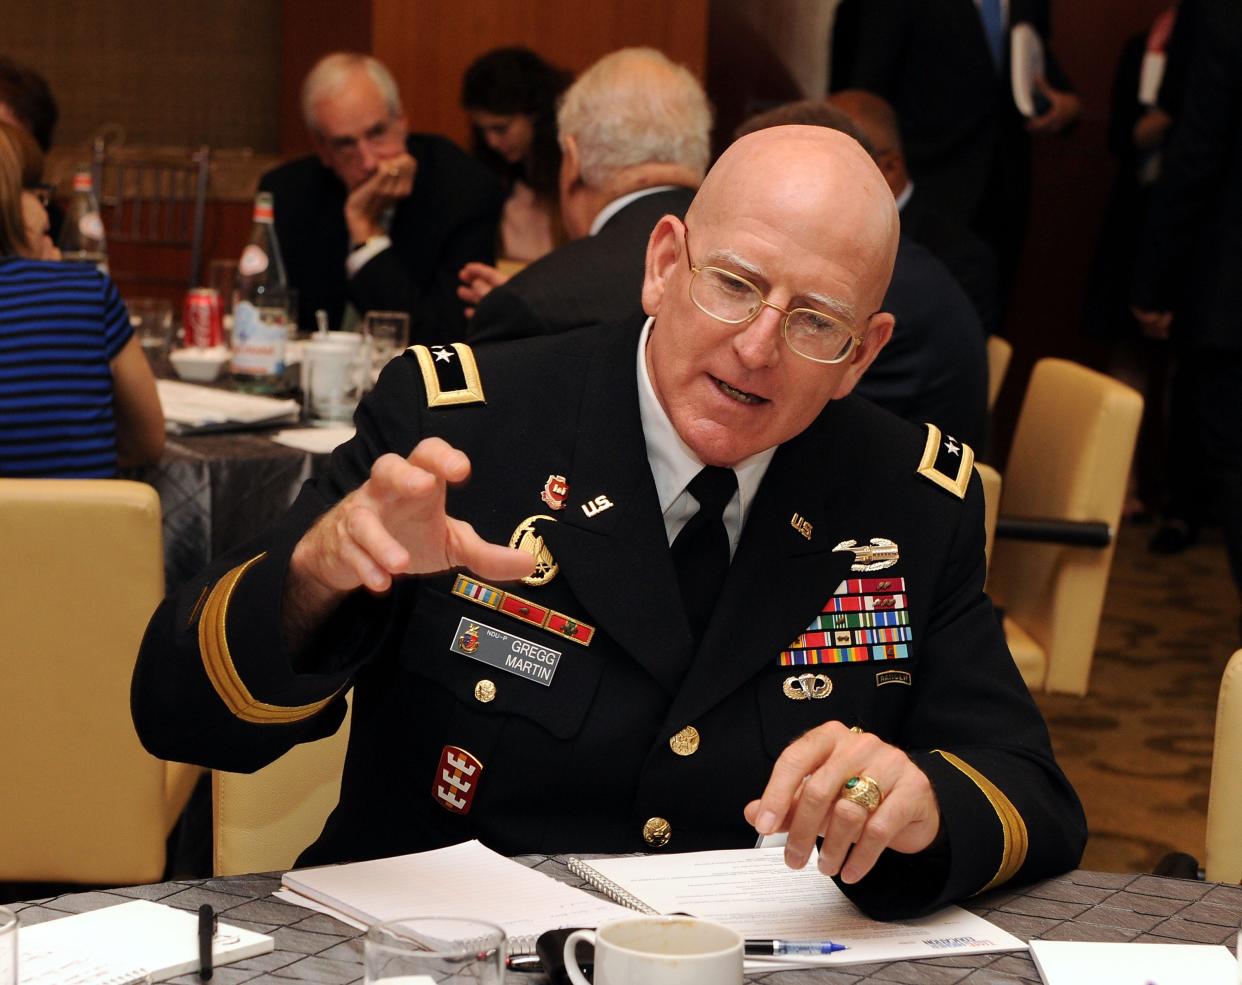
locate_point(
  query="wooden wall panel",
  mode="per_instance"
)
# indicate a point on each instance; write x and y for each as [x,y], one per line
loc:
[309,30]
[429,43]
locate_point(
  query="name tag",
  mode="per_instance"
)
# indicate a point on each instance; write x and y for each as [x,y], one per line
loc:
[504,651]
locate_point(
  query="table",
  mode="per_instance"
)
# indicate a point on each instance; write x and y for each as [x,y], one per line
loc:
[1100,906]
[219,490]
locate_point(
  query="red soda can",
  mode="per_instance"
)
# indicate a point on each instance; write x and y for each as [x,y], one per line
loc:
[203,321]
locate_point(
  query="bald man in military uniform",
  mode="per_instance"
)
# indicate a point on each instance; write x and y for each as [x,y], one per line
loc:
[848,679]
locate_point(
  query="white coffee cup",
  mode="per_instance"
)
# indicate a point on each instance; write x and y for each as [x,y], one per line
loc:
[333,375]
[659,951]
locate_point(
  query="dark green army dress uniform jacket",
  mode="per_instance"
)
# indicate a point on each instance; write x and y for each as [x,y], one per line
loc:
[572,715]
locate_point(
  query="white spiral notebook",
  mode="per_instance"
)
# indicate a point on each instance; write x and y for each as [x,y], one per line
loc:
[466,880]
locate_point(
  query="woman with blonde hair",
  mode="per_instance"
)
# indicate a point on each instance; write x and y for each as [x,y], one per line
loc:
[77,396]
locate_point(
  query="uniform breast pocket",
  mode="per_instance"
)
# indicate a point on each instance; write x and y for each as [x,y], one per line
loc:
[497,666]
[793,700]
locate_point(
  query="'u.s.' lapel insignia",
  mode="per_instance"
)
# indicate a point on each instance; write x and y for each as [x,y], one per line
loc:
[597,505]
[554,492]
[527,538]
[457,780]
[880,553]
[801,524]
[947,462]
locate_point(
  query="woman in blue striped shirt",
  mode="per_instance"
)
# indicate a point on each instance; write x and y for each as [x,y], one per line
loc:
[77,396]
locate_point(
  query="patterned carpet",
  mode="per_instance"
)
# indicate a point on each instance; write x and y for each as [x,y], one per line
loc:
[1138,747]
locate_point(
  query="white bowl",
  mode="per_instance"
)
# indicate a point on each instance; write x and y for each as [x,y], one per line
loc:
[199,365]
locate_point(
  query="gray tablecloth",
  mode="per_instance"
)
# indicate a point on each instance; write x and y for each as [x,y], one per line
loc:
[219,490]
[1094,906]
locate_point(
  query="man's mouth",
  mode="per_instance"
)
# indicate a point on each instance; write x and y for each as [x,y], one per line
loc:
[741,396]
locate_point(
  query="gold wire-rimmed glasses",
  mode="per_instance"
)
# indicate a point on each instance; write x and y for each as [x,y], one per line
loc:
[732,299]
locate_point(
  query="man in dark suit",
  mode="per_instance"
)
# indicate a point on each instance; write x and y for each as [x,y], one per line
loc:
[969,259]
[635,132]
[380,219]
[934,368]
[943,65]
[1186,275]
[747,601]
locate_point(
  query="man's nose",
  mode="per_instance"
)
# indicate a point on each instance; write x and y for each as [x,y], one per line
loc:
[366,156]
[758,343]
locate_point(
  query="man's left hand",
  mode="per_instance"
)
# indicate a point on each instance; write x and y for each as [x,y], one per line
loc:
[803,797]
[393,180]
[477,282]
[1063,109]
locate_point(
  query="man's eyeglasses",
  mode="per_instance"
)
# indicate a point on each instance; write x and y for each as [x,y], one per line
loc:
[380,134]
[732,299]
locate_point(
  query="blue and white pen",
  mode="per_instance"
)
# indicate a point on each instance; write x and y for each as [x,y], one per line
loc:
[779,948]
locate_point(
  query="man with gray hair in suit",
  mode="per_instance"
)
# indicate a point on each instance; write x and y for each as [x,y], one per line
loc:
[634,131]
[378,218]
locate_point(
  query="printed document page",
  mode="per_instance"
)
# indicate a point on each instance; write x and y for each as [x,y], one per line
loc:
[755,893]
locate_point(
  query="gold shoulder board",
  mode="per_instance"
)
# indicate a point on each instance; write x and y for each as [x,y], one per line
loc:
[450,374]
[947,462]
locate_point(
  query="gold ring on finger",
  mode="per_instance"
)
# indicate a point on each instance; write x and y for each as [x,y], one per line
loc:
[863,791]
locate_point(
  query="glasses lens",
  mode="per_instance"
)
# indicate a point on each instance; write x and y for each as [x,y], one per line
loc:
[817,336]
[724,295]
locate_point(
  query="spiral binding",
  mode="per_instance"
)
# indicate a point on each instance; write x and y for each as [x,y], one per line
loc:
[606,886]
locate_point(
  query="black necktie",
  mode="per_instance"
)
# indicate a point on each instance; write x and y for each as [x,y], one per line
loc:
[701,549]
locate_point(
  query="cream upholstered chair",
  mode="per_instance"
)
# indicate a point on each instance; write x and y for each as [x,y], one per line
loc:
[81,571]
[1069,462]
[999,353]
[261,821]
[991,506]
[1224,820]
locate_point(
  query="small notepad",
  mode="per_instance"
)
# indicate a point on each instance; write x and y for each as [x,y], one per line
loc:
[1089,963]
[125,943]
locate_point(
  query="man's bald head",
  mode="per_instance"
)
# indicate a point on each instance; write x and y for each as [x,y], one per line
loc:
[793,217]
[819,187]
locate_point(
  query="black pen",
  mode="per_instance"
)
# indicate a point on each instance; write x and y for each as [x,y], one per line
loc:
[206,931]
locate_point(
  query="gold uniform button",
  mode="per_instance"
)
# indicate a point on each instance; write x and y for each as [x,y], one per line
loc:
[685,742]
[657,832]
[484,691]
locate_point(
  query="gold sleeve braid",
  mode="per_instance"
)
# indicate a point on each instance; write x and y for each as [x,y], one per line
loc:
[1013,828]
[213,648]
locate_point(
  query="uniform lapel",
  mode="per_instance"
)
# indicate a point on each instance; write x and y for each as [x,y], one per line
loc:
[616,560]
[780,577]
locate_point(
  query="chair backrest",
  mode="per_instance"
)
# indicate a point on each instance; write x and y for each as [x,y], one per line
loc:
[81,571]
[999,353]
[1069,460]
[991,506]
[1223,862]
[261,821]
[153,199]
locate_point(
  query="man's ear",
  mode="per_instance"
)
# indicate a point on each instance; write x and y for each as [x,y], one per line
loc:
[571,165]
[879,330]
[661,261]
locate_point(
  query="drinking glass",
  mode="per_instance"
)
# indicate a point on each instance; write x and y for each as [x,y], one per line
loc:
[152,321]
[8,947]
[427,950]
[389,332]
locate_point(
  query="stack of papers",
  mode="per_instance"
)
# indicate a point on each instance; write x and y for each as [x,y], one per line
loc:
[189,408]
[1089,963]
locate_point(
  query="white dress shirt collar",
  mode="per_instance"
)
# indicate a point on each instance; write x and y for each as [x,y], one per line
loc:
[673,464]
[617,204]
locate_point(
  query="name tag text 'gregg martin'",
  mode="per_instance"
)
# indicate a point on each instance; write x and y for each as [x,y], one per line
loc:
[505,651]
